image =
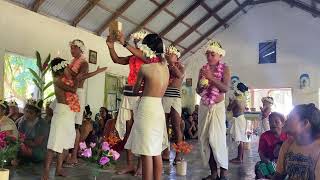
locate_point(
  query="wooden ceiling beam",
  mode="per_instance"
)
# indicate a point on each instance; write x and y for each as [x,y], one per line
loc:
[201,21]
[262,1]
[151,16]
[36,5]
[84,11]
[180,18]
[216,27]
[303,6]
[209,10]
[238,3]
[114,16]
[314,6]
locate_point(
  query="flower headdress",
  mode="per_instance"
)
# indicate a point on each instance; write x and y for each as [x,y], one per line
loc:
[4,104]
[35,103]
[12,103]
[267,99]
[148,51]
[214,46]
[59,66]
[79,44]
[139,35]
[173,50]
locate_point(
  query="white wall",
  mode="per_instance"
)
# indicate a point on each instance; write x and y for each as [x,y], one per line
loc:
[23,32]
[298,38]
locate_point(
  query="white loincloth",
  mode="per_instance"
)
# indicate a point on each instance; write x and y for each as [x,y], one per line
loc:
[82,100]
[174,102]
[62,133]
[212,133]
[128,104]
[238,129]
[148,134]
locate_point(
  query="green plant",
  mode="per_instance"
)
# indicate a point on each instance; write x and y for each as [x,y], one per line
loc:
[39,77]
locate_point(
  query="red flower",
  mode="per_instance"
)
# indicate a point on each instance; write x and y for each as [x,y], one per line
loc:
[22,137]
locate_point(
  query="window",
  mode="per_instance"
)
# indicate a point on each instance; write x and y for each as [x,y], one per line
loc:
[18,84]
[268,52]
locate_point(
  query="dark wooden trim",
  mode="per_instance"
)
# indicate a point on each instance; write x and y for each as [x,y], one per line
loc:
[84,11]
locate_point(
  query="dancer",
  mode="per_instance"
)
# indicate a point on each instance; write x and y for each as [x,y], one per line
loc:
[213,83]
[125,117]
[148,131]
[265,112]
[79,65]
[172,98]
[62,132]
[238,130]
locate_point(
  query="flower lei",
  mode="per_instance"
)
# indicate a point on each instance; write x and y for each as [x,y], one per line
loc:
[210,93]
[147,51]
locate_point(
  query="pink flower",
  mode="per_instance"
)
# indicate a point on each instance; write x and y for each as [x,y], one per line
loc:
[82,145]
[105,146]
[87,153]
[92,145]
[115,154]
[104,160]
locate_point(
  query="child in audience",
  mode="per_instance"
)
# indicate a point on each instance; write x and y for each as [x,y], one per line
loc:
[299,157]
[269,145]
[110,130]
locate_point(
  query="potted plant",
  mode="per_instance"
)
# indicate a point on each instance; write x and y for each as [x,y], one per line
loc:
[183,148]
[9,147]
[39,76]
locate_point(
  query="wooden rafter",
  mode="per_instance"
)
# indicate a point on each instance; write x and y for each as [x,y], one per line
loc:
[262,1]
[84,11]
[215,15]
[238,3]
[36,5]
[115,15]
[180,17]
[151,16]
[304,7]
[216,27]
[314,6]
[201,21]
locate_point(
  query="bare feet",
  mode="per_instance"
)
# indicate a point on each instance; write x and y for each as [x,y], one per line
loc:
[61,173]
[236,161]
[138,172]
[126,170]
[45,177]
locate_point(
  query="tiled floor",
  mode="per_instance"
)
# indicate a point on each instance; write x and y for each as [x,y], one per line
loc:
[195,169]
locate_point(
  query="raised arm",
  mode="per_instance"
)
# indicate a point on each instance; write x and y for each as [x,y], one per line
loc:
[115,58]
[84,76]
[140,77]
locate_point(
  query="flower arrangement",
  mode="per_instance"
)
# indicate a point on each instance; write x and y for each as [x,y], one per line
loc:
[112,140]
[147,51]
[9,147]
[182,147]
[104,156]
[209,93]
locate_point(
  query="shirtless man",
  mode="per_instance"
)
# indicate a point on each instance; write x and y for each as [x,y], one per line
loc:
[125,118]
[79,65]
[239,126]
[172,97]
[148,130]
[62,132]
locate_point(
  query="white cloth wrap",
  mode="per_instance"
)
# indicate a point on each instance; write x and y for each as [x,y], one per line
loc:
[128,104]
[212,133]
[82,100]
[62,132]
[148,134]
[174,102]
[238,129]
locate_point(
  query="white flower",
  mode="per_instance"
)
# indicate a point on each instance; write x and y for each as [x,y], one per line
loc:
[78,44]
[139,35]
[147,51]
[173,50]
[59,66]
[214,46]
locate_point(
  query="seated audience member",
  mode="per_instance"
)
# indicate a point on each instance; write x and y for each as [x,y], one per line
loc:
[269,145]
[100,121]
[299,156]
[36,132]
[6,124]
[195,114]
[110,130]
[87,133]
[14,113]
[190,128]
